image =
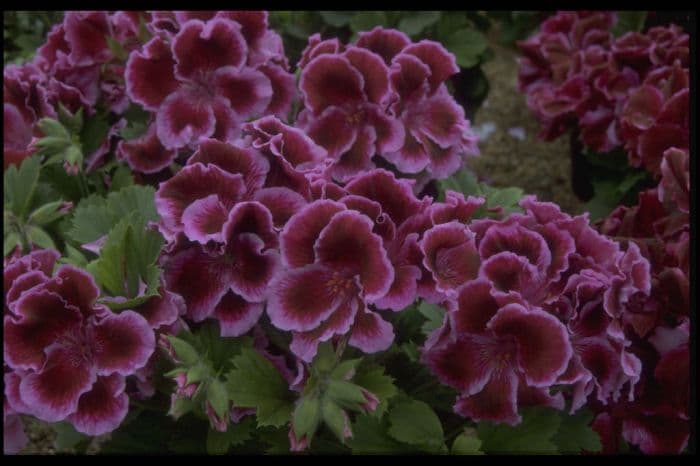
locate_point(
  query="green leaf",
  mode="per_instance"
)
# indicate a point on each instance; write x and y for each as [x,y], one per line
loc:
[370,437]
[533,435]
[335,418]
[19,185]
[218,397]
[366,20]
[306,417]
[344,369]
[127,260]
[72,122]
[346,394]
[605,198]
[53,128]
[575,433]
[47,213]
[466,443]
[121,178]
[434,314]
[415,423]
[137,125]
[629,21]
[379,384]
[219,350]
[218,443]
[255,383]
[95,216]
[337,19]
[414,22]
[464,181]
[67,437]
[325,359]
[10,242]
[39,237]
[184,351]
[74,257]
[507,198]
[94,133]
[467,45]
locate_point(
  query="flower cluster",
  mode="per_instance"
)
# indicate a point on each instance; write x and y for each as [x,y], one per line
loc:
[659,226]
[629,91]
[534,301]
[68,356]
[204,74]
[75,68]
[386,96]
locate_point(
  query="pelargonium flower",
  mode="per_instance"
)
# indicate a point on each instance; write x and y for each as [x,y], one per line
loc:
[393,104]
[70,355]
[496,351]
[544,263]
[336,267]
[404,213]
[207,81]
[612,90]
[437,137]
[230,282]
[345,96]
[655,117]
[657,228]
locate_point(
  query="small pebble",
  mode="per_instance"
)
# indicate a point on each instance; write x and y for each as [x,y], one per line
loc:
[517,132]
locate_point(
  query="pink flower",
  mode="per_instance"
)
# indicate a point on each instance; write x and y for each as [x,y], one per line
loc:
[71,355]
[208,80]
[336,266]
[495,351]
[345,96]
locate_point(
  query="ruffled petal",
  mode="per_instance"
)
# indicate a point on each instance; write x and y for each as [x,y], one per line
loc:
[234,159]
[248,91]
[384,42]
[194,182]
[103,408]
[301,231]
[236,316]
[53,394]
[300,299]
[122,343]
[543,345]
[183,118]
[371,333]
[201,48]
[203,219]
[474,307]
[495,403]
[333,131]
[348,244]
[202,280]
[374,72]
[146,154]
[465,364]
[450,255]
[43,317]
[330,80]
[150,75]
[442,63]
[394,195]
[254,269]
[282,203]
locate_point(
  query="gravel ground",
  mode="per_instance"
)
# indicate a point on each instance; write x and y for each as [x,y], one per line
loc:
[511,155]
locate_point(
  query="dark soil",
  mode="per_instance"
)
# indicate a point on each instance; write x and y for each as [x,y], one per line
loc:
[538,167]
